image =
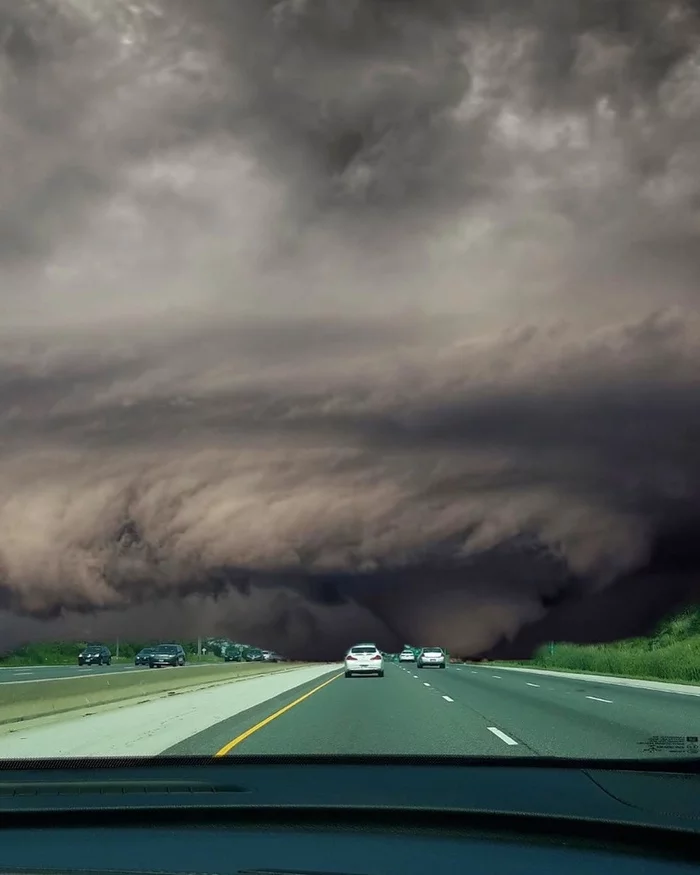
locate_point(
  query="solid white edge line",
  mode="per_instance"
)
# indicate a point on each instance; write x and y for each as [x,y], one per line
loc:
[596,699]
[497,732]
[634,683]
[447,699]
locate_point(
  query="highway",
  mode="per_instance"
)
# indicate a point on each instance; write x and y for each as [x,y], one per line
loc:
[23,673]
[461,710]
[464,710]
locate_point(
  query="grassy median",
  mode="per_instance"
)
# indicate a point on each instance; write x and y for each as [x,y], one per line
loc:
[32,699]
[671,654]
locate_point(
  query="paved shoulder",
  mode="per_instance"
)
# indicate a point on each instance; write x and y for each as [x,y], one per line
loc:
[151,725]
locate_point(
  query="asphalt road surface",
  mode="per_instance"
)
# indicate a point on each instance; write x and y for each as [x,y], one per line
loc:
[461,710]
[51,672]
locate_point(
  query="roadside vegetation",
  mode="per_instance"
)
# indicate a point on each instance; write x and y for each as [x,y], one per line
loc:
[671,653]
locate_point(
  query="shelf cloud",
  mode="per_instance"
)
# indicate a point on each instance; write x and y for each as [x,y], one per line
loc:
[336,320]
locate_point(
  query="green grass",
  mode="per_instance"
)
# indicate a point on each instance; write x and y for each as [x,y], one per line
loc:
[671,653]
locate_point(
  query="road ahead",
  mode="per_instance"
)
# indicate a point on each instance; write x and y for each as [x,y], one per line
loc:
[462,710]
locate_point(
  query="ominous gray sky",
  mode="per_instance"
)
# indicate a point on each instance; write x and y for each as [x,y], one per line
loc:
[323,320]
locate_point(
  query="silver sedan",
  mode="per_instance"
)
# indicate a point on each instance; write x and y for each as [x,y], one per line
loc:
[433,657]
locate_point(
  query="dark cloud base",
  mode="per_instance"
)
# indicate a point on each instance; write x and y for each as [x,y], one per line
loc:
[317,617]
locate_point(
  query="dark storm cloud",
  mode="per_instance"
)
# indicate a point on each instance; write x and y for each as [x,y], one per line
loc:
[349,319]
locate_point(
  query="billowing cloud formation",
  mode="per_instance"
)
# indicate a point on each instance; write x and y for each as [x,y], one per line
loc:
[353,317]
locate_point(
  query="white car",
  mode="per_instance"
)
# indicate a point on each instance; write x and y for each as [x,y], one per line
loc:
[364,659]
[407,656]
[431,656]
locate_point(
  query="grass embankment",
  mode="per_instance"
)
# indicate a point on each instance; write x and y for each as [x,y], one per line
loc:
[672,654]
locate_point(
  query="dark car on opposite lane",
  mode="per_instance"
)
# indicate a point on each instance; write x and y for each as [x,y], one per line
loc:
[143,657]
[167,654]
[95,654]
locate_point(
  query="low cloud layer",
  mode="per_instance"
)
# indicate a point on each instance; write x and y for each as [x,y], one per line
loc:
[349,319]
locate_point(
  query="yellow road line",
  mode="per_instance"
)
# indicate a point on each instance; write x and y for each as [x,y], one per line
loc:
[242,737]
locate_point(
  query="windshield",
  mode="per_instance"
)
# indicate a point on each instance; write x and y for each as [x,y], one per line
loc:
[332,329]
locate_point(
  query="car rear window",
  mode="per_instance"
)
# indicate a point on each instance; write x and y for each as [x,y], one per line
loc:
[433,650]
[363,649]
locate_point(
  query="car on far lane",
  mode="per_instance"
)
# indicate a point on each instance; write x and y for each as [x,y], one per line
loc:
[95,654]
[233,654]
[431,656]
[167,654]
[143,656]
[364,659]
[407,656]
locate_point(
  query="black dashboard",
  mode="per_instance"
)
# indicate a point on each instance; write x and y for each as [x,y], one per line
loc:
[347,817]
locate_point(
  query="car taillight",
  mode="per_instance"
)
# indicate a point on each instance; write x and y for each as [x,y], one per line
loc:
[377,656]
[350,656]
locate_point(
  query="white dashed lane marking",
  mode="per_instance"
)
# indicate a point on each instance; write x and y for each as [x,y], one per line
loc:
[596,699]
[497,732]
[506,739]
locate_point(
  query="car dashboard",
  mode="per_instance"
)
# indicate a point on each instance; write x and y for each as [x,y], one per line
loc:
[386,817]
